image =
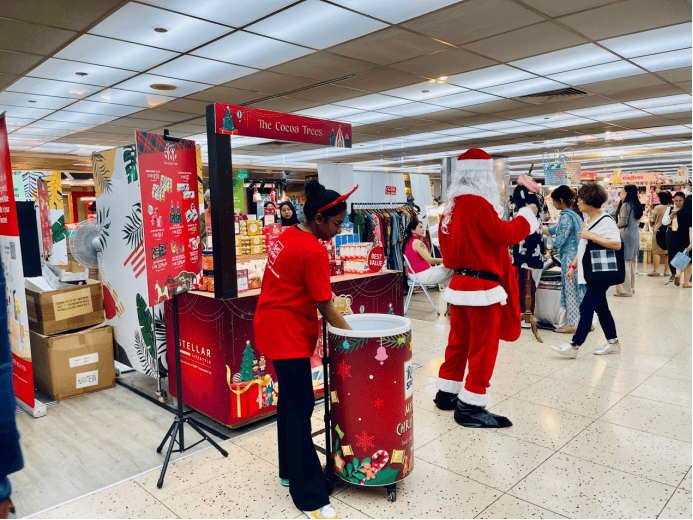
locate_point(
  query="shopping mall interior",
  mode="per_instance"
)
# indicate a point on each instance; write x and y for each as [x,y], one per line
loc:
[388,93]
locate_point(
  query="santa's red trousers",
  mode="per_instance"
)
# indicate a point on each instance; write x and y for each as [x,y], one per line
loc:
[474,338]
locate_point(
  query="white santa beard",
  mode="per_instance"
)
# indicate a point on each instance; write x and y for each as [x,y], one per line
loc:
[472,182]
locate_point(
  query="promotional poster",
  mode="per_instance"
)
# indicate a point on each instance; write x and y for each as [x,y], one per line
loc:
[44,219]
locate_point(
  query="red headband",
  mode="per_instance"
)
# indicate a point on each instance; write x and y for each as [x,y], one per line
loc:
[340,199]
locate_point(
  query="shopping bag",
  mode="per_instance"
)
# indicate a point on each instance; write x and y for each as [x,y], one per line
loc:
[681,260]
[646,237]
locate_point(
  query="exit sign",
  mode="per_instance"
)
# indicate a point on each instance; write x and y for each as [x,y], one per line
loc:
[390,190]
[242,175]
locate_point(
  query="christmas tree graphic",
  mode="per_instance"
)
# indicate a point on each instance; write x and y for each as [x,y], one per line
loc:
[339,141]
[247,364]
[227,125]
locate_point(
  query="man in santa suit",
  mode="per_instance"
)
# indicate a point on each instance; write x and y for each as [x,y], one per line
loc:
[483,294]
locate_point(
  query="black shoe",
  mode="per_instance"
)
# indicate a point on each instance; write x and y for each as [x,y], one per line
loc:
[471,416]
[445,400]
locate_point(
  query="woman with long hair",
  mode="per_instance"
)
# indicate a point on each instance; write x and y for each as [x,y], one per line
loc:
[670,219]
[659,255]
[629,214]
[682,241]
[565,241]
[428,270]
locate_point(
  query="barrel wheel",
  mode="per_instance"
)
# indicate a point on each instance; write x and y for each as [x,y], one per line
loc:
[391,492]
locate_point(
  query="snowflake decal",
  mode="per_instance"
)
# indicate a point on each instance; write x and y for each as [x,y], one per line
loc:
[343,369]
[365,441]
[378,403]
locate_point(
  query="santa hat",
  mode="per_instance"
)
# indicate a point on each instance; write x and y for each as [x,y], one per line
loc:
[474,159]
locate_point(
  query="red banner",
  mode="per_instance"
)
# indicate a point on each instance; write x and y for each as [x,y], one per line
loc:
[45,217]
[8,210]
[168,184]
[266,124]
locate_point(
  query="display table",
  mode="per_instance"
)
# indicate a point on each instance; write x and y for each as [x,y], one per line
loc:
[223,374]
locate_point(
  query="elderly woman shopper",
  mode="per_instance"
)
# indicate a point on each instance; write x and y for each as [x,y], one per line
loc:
[565,241]
[629,214]
[601,230]
[659,254]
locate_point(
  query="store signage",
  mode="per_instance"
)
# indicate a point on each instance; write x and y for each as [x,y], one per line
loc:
[390,190]
[630,178]
[242,175]
[238,196]
[376,259]
[168,178]
[266,124]
[15,297]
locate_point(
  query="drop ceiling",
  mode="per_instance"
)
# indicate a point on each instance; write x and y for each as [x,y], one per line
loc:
[418,80]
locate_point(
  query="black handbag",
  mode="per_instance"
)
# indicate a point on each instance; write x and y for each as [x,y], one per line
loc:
[602,265]
[661,237]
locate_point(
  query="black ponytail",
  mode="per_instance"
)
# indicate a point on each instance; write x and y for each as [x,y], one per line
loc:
[408,234]
[318,197]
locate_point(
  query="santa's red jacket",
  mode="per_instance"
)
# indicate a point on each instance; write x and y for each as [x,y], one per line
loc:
[478,239]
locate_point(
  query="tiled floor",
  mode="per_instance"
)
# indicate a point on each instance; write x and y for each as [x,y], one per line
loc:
[593,437]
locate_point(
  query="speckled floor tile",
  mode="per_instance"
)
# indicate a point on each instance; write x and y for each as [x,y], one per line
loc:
[541,425]
[484,455]
[578,488]
[429,426]
[663,419]
[626,360]
[430,362]
[679,505]
[262,443]
[686,484]
[605,378]
[343,510]
[511,507]
[677,369]
[666,390]
[643,454]
[158,511]
[422,379]
[570,397]
[428,492]
[530,362]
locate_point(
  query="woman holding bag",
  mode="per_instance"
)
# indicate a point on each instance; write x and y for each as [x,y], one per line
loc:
[600,267]
[659,252]
[629,214]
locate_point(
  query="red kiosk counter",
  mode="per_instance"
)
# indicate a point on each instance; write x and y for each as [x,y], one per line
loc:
[224,376]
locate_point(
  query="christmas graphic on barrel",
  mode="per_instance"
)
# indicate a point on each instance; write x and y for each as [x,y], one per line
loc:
[371,394]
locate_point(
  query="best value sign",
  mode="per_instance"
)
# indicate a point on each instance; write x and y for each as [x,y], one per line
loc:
[376,259]
[266,124]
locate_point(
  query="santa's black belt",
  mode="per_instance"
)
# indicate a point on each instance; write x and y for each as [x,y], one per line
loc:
[484,275]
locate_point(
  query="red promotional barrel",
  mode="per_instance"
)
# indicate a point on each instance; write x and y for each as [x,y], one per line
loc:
[372,391]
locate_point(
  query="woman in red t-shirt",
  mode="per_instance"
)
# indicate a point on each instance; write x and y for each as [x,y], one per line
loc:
[295,286]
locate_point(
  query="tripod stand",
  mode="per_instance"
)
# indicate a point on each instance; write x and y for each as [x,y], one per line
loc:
[181,418]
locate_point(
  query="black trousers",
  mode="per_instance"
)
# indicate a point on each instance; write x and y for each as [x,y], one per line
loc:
[298,460]
[594,301]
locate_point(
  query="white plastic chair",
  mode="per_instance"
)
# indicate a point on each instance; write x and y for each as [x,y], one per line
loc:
[413,282]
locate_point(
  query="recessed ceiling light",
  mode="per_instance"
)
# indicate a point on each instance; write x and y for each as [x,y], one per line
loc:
[160,30]
[81,74]
[162,86]
[425,91]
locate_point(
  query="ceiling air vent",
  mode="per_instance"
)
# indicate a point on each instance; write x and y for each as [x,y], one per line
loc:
[561,92]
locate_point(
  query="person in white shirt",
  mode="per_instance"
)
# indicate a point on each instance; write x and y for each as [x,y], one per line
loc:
[600,228]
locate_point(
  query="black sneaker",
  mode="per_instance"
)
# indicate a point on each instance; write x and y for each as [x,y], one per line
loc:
[471,416]
[445,400]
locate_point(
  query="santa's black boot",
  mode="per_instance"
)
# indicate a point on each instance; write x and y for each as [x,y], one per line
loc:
[445,400]
[471,416]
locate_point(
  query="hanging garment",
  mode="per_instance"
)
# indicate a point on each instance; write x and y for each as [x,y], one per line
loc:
[529,252]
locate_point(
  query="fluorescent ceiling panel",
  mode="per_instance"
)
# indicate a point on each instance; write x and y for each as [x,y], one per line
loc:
[413,109]
[79,117]
[367,118]
[395,11]
[571,121]
[505,126]
[316,24]
[661,101]
[523,88]
[114,53]
[13,123]
[666,60]
[329,112]
[136,23]
[66,70]
[48,87]
[424,91]
[143,82]
[614,116]
[34,131]
[566,59]
[25,142]
[24,100]
[604,72]
[58,125]
[26,112]
[488,77]
[106,109]
[649,42]
[593,111]
[251,50]
[372,102]
[193,68]
[126,97]
[465,99]
[670,109]
[235,13]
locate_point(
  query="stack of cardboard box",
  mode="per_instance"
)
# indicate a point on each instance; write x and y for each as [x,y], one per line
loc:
[72,351]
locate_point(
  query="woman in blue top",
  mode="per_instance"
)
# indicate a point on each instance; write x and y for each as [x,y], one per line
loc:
[565,241]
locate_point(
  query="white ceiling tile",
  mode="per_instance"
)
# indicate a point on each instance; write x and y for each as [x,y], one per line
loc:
[367,118]
[505,126]
[26,112]
[660,101]
[593,111]
[316,24]
[48,87]
[136,23]
[425,90]
[604,72]
[622,114]
[199,69]
[66,70]
[413,109]
[114,53]
[28,142]
[488,77]
[45,133]
[127,97]
[58,125]
[54,148]
[251,50]
[670,109]
[143,82]
[329,112]
[465,99]
[523,88]
[107,109]
[649,42]
[372,102]
[79,117]
[13,123]
[395,11]
[25,100]
[235,13]
[566,59]
[665,60]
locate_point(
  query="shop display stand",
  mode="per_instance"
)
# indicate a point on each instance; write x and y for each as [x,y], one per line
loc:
[181,417]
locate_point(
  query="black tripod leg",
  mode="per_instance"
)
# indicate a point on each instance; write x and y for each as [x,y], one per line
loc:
[168,434]
[176,426]
[208,438]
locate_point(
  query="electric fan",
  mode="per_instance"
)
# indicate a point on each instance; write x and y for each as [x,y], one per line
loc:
[85,243]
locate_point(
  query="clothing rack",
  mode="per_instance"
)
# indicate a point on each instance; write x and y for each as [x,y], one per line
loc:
[379,204]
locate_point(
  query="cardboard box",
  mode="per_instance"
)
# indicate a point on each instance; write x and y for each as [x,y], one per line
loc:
[72,364]
[60,273]
[65,309]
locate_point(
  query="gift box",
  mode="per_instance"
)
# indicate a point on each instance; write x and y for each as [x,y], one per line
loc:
[249,397]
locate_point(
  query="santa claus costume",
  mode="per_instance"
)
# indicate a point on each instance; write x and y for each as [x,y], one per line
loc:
[483,294]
